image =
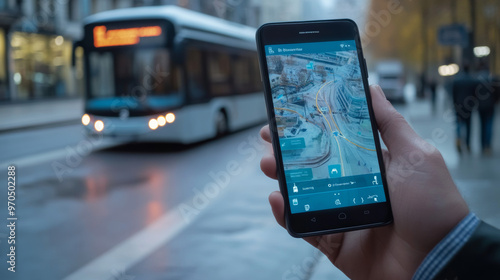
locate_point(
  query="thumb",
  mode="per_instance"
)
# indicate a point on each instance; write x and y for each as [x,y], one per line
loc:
[394,130]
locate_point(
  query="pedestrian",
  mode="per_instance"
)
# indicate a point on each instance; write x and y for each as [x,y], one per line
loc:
[487,93]
[433,89]
[463,89]
[434,234]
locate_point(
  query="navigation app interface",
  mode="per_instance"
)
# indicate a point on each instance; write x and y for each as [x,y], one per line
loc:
[324,126]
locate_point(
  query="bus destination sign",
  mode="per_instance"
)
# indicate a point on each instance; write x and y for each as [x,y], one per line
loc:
[123,37]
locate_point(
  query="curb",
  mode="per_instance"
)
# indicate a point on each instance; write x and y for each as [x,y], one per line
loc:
[40,126]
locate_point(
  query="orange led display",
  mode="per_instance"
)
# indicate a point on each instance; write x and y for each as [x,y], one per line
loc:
[123,37]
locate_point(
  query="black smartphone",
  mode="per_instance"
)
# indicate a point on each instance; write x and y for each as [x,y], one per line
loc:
[324,135]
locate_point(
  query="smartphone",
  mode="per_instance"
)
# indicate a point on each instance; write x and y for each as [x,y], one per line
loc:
[324,135]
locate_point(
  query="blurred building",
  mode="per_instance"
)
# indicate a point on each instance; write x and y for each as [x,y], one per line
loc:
[36,41]
[10,12]
[36,48]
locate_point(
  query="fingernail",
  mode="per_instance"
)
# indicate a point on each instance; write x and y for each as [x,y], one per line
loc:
[379,90]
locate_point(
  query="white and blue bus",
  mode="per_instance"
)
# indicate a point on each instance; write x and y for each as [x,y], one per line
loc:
[167,74]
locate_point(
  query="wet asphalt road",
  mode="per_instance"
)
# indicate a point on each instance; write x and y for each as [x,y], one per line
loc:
[73,208]
[107,210]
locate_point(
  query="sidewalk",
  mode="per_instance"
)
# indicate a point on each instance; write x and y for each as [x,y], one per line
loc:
[37,113]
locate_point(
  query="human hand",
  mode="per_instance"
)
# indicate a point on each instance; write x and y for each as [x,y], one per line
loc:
[425,202]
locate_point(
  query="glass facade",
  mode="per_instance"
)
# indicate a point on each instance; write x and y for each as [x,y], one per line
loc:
[41,66]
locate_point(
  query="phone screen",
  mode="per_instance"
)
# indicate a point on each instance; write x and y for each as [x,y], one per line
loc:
[324,128]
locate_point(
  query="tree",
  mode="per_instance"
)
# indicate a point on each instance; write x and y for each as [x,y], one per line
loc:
[277,62]
[407,30]
[303,76]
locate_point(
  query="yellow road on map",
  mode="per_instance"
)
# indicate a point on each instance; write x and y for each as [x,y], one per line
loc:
[333,120]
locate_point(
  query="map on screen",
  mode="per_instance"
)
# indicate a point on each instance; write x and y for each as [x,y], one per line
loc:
[323,124]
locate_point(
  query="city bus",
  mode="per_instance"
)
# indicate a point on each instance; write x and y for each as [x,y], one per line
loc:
[168,74]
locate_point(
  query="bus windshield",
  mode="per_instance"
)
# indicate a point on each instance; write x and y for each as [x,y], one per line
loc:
[131,73]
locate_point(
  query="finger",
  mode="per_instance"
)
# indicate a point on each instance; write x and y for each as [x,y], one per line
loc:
[268,166]
[265,133]
[278,207]
[395,131]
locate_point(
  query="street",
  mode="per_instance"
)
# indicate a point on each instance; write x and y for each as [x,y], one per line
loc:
[162,211]
[112,195]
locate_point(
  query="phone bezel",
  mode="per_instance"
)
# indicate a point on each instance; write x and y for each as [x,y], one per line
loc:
[325,221]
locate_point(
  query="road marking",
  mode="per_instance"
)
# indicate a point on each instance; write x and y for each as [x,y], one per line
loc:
[134,249]
[317,106]
[338,129]
[340,156]
[51,156]
[36,159]
[290,110]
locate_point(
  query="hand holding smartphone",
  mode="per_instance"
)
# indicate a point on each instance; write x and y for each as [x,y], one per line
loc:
[324,135]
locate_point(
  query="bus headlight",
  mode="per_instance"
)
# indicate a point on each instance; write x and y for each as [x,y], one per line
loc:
[153,124]
[85,119]
[99,125]
[170,117]
[161,120]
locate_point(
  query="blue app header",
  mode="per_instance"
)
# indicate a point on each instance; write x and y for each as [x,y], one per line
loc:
[317,47]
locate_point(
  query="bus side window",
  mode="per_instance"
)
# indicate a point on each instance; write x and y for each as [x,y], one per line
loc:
[194,69]
[242,74]
[256,83]
[219,73]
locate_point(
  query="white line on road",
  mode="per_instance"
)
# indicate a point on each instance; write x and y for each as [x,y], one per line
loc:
[50,156]
[134,249]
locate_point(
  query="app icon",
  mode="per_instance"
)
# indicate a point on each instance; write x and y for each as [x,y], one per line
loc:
[295,201]
[295,188]
[337,202]
[335,170]
[307,207]
[375,180]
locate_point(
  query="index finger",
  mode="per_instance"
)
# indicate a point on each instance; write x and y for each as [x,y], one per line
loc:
[394,130]
[265,133]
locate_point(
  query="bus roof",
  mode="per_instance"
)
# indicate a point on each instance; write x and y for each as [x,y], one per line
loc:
[180,17]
